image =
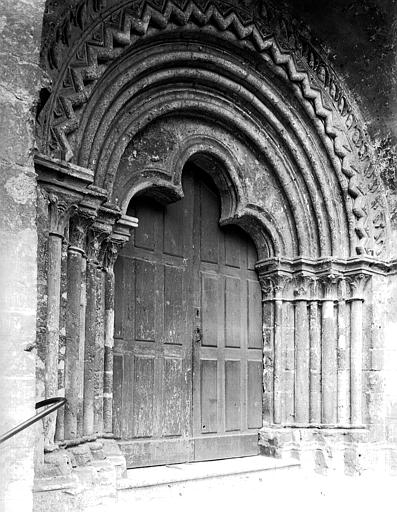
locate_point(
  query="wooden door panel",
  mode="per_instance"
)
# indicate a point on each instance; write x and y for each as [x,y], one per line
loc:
[212,447]
[209,309]
[174,230]
[254,306]
[228,380]
[233,306]
[254,394]
[145,297]
[208,223]
[127,404]
[232,396]
[143,397]
[209,396]
[154,279]
[174,419]
[174,306]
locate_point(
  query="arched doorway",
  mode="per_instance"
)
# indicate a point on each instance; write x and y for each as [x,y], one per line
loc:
[188,333]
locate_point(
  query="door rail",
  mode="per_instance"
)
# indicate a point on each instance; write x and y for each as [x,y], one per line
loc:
[54,403]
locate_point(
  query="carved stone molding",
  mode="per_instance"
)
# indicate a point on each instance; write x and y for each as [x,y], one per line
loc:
[113,244]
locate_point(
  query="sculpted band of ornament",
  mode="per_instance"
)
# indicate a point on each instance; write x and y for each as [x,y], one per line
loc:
[83,50]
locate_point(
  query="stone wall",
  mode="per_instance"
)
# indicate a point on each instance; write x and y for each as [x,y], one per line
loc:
[20,77]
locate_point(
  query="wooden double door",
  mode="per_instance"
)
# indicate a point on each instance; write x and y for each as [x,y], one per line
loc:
[188,335]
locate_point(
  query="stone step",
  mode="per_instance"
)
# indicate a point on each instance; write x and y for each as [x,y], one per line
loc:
[184,484]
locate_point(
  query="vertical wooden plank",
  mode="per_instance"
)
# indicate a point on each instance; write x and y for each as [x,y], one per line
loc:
[127,412]
[172,397]
[254,392]
[233,247]
[208,396]
[143,399]
[252,256]
[254,314]
[129,299]
[232,395]
[174,229]
[233,312]
[119,300]
[174,306]
[145,295]
[118,379]
[209,238]
[209,310]
[144,234]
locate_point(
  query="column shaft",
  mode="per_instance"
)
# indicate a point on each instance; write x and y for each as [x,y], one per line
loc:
[356,354]
[83,301]
[315,364]
[343,374]
[278,366]
[52,349]
[108,356]
[329,364]
[73,369]
[89,351]
[302,349]
[99,350]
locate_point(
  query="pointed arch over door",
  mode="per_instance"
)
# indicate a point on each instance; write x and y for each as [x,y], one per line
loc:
[188,333]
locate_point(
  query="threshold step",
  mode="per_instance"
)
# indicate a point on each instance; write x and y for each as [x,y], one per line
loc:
[163,475]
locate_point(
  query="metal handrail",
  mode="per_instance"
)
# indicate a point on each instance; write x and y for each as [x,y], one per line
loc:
[57,403]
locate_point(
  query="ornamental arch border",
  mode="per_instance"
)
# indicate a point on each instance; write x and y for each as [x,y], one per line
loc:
[86,39]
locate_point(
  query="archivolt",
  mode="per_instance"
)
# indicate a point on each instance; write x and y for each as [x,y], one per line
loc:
[105,38]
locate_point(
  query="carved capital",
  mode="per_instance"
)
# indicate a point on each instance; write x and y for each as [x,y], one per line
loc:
[273,285]
[60,210]
[357,284]
[78,228]
[267,287]
[329,284]
[111,249]
[97,234]
[302,286]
